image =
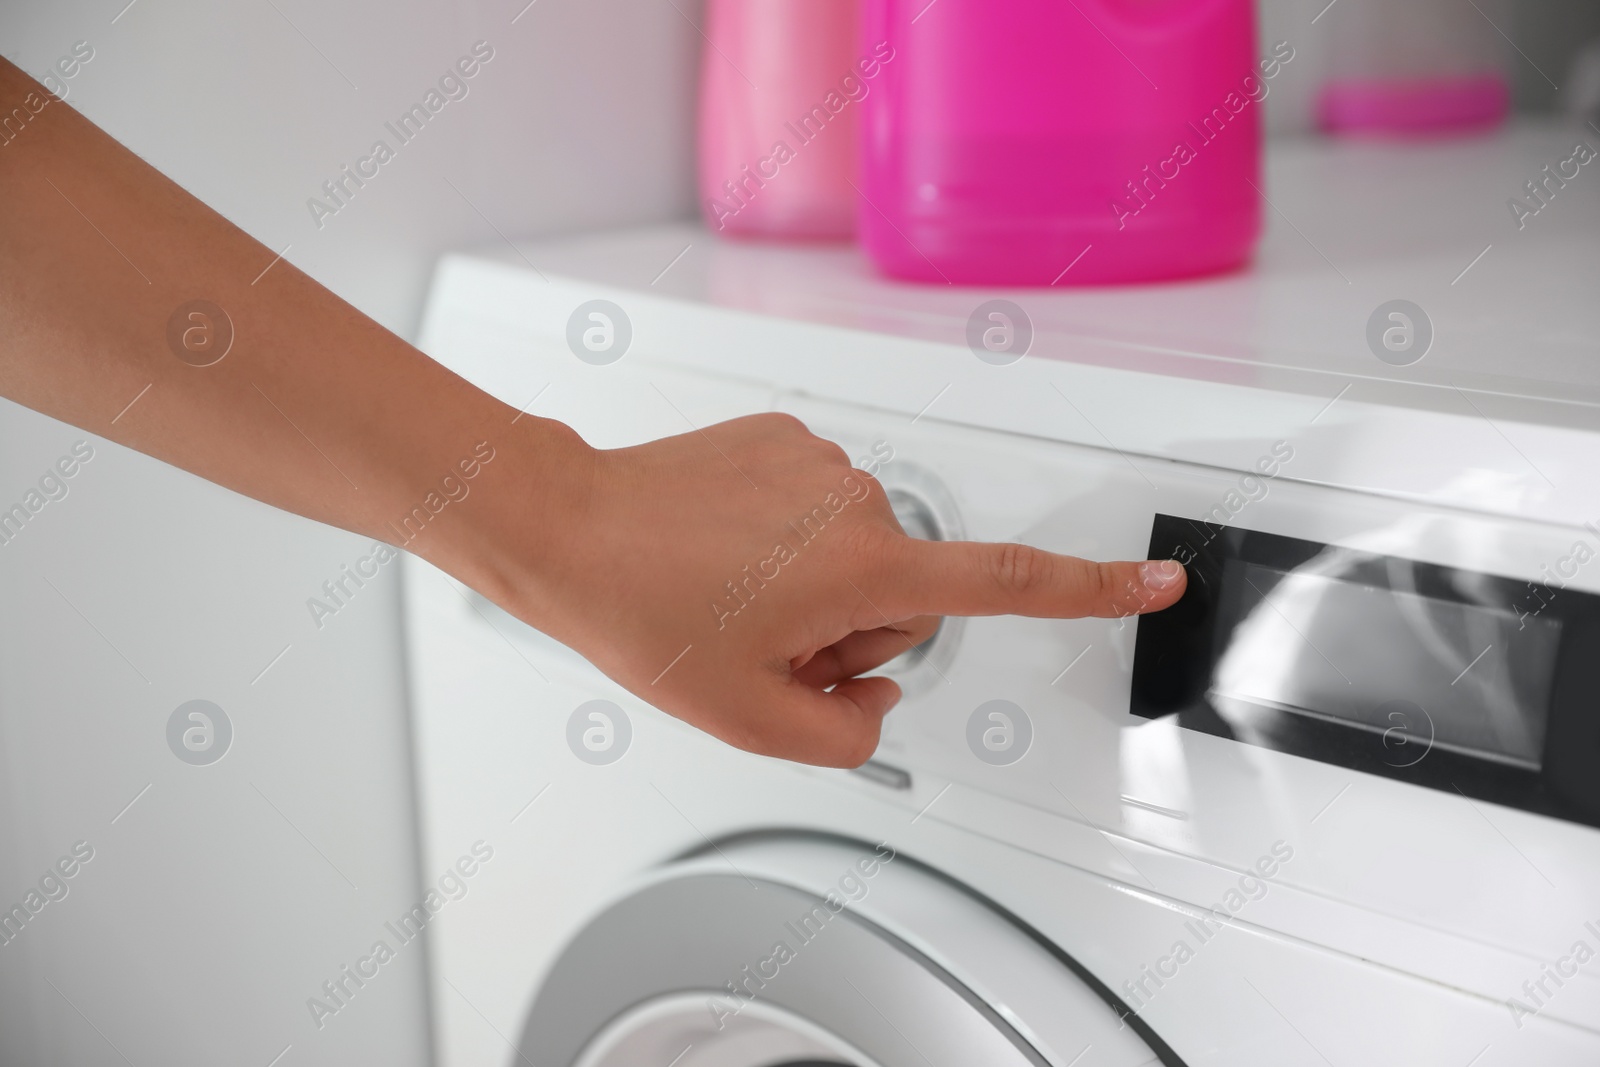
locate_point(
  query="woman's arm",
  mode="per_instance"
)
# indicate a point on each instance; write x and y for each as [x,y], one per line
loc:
[118,290]
[314,408]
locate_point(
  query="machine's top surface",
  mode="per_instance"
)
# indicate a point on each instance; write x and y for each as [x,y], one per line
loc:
[1500,413]
[1510,292]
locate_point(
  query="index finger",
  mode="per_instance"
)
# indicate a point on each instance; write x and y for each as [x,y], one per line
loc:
[977,578]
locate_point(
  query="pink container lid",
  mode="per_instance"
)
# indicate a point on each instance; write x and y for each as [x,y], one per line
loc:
[1414,107]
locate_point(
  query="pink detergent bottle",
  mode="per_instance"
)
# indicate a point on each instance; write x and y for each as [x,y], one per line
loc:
[1062,142]
[780,90]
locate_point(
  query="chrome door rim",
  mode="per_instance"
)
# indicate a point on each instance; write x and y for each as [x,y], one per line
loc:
[700,923]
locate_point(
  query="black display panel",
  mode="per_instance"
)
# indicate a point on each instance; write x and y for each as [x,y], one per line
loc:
[1446,678]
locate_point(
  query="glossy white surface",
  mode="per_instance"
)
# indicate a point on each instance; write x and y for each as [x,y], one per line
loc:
[1501,414]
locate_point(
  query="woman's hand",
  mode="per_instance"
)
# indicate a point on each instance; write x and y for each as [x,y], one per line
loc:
[741,578]
[745,577]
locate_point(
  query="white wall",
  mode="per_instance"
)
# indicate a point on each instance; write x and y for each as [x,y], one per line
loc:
[219,902]
[1541,39]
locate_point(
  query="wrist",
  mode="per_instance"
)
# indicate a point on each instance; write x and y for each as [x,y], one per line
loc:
[514,515]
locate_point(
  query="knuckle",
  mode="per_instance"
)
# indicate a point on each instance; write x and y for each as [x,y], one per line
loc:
[1017,569]
[834,452]
[866,616]
[847,748]
[870,543]
[1093,580]
[857,747]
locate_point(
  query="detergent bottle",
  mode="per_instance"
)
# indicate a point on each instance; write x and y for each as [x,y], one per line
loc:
[780,90]
[1062,142]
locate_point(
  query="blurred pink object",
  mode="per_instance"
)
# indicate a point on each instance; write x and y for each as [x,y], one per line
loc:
[1040,142]
[1411,107]
[1422,68]
[779,89]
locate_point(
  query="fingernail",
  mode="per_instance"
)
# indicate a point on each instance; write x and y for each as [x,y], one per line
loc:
[1160,573]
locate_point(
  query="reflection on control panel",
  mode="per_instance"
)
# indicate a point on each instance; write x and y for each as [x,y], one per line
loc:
[1293,631]
[1435,675]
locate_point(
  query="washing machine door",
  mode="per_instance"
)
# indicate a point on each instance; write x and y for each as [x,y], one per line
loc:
[791,951]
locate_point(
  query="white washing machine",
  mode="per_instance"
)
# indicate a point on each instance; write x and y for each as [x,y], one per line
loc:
[1337,807]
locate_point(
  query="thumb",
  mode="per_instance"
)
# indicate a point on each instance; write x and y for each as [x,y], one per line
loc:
[973,578]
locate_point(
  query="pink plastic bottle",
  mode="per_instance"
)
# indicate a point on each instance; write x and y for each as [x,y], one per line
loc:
[1041,142]
[779,93]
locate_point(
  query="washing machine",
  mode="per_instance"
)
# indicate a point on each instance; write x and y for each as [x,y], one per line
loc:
[1338,806]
